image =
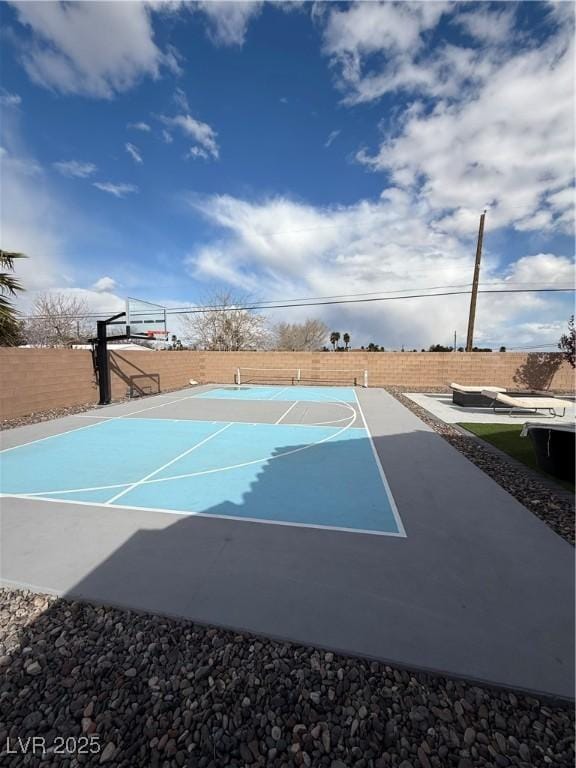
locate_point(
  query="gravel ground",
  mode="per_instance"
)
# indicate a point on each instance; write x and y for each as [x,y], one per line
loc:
[162,692]
[35,418]
[555,509]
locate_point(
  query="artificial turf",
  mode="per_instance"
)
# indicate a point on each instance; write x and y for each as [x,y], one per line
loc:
[506,437]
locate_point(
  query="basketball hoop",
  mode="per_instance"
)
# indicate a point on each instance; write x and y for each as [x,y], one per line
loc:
[154,334]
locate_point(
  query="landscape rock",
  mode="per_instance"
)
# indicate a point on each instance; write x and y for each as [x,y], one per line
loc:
[161,693]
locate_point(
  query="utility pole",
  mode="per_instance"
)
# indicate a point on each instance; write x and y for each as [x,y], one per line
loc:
[454,341]
[472,315]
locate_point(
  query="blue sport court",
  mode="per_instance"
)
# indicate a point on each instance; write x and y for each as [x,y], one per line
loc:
[291,455]
[271,510]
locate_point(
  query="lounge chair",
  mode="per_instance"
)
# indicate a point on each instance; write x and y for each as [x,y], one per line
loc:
[467,396]
[513,403]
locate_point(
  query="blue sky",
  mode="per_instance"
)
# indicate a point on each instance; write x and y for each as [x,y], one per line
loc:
[295,149]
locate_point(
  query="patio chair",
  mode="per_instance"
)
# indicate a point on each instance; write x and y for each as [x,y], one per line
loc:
[512,403]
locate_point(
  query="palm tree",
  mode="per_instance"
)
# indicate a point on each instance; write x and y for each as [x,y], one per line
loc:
[9,285]
[334,339]
[346,339]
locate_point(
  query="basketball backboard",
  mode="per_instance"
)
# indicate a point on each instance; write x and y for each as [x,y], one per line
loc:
[145,318]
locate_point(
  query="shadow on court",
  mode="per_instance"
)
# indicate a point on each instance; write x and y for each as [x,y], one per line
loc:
[455,596]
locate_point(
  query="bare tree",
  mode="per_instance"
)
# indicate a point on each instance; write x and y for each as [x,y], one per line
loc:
[300,337]
[221,325]
[58,320]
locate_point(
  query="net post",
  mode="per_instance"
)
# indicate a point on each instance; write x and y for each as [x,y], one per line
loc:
[238,380]
[365,378]
[298,376]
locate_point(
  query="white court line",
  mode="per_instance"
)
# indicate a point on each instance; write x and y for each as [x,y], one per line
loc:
[238,518]
[397,518]
[100,420]
[286,412]
[202,472]
[156,471]
[203,421]
[49,437]
[123,416]
[278,394]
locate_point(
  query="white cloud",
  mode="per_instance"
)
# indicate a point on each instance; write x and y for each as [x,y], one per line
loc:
[118,190]
[181,100]
[488,25]
[134,153]
[144,127]
[392,30]
[8,99]
[202,133]
[228,21]
[281,248]
[94,49]
[34,221]
[29,222]
[526,319]
[105,283]
[23,165]
[369,27]
[495,149]
[332,137]
[167,136]
[196,152]
[471,137]
[74,169]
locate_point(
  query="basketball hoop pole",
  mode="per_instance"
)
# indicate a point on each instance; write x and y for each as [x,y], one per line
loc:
[101,359]
[102,363]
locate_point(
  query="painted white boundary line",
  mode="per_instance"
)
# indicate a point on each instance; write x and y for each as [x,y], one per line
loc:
[273,396]
[202,472]
[173,461]
[286,412]
[239,518]
[49,437]
[397,518]
[204,421]
[100,420]
[268,423]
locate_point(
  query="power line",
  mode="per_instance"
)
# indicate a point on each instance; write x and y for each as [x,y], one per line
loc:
[361,301]
[172,310]
[511,347]
[313,301]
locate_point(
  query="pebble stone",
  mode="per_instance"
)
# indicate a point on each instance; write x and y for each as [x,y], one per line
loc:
[164,693]
[209,698]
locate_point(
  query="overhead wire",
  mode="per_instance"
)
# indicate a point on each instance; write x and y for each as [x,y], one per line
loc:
[353,298]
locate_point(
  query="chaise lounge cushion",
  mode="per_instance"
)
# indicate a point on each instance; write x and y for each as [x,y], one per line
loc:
[531,403]
[465,388]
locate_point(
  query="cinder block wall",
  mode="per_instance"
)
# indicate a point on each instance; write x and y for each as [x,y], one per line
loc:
[152,371]
[513,370]
[43,379]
